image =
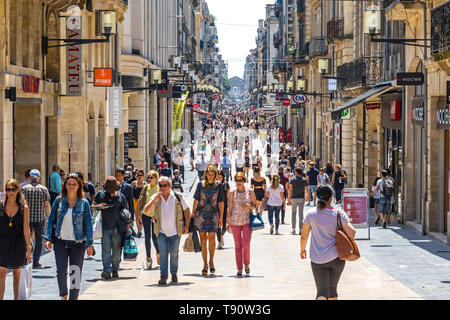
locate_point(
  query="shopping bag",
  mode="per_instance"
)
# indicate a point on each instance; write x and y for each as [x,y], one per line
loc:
[189,244]
[98,230]
[256,222]
[26,280]
[130,250]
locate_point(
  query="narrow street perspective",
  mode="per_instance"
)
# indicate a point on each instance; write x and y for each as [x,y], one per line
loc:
[202,150]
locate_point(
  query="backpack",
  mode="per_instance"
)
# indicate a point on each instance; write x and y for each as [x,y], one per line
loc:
[387,187]
[176,183]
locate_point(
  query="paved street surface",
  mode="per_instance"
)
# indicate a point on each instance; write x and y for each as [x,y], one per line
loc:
[389,268]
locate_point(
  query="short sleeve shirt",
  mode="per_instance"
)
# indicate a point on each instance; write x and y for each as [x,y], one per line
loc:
[110,216]
[275,196]
[168,213]
[312,174]
[323,224]
[36,195]
[298,187]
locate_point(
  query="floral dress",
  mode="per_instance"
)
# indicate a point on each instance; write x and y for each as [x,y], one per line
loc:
[206,218]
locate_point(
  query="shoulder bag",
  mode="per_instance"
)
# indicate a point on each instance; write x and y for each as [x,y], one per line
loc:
[346,247]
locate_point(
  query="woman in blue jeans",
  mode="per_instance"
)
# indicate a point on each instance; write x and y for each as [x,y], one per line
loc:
[275,202]
[73,236]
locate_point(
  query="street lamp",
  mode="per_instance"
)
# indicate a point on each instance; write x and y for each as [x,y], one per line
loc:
[324,66]
[301,85]
[105,25]
[372,26]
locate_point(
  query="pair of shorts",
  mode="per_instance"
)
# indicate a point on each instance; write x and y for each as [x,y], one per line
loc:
[239,169]
[312,188]
[376,200]
[384,205]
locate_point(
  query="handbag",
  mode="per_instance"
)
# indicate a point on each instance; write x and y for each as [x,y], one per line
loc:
[346,247]
[130,250]
[256,221]
[98,229]
[196,240]
[189,244]
[26,281]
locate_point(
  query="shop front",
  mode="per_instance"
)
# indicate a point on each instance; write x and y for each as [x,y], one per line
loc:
[391,123]
[443,126]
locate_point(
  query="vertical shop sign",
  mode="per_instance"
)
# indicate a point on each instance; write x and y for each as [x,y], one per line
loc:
[74,79]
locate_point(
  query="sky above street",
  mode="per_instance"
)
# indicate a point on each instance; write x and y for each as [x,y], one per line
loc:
[237,23]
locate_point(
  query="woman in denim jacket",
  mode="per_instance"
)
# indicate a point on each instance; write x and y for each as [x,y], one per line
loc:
[70,230]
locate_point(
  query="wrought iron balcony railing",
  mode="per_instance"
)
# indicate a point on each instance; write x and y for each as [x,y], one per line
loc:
[440,29]
[362,72]
[335,29]
[318,47]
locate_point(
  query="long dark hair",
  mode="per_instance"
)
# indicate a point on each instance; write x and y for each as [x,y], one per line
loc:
[80,193]
[324,193]
[20,198]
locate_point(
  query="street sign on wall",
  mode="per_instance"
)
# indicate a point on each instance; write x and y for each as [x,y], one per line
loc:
[103,77]
[115,107]
[299,99]
[133,133]
[74,78]
[286,102]
[345,114]
[410,78]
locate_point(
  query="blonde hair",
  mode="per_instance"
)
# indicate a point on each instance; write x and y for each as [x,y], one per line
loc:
[210,168]
[275,182]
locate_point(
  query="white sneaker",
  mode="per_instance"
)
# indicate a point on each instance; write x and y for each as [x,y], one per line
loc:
[276,232]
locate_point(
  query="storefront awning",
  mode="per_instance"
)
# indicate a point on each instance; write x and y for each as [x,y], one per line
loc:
[200,111]
[377,90]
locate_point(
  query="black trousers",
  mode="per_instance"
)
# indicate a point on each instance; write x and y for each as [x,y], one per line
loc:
[38,228]
[148,233]
[53,196]
[326,276]
[67,253]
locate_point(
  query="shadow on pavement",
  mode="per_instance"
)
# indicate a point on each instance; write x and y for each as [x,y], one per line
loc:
[171,284]
[43,277]
[198,275]
[426,243]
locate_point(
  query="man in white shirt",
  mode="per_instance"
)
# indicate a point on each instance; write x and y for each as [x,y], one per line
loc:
[168,209]
[201,166]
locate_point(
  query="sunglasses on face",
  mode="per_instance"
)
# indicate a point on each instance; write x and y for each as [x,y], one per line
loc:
[151,178]
[11,189]
[163,185]
[239,180]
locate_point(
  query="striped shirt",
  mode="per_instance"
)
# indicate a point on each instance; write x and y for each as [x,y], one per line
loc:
[36,195]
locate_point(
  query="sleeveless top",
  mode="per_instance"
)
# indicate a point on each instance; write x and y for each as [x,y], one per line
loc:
[240,216]
[137,191]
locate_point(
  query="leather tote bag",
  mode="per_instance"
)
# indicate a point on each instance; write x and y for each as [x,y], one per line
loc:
[346,247]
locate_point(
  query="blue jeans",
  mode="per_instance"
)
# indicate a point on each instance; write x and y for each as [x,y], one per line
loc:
[227,173]
[385,205]
[111,241]
[168,246]
[312,189]
[277,210]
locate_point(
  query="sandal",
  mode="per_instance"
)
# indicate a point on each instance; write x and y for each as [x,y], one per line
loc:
[212,270]
[204,272]
[247,270]
[239,273]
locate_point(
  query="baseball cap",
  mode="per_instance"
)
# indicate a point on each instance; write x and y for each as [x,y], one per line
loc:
[35,173]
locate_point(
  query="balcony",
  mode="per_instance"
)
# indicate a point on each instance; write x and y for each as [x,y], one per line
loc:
[363,72]
[279,67]
[335,30]
[301,54]
[277,39]
[318,47]
[440,32]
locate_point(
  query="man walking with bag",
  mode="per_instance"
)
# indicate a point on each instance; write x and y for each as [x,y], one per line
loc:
[296,197]
[386,186]
[171,216]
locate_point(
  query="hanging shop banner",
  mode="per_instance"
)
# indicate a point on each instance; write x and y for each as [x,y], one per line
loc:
[356,205]
[103,77]
[289,135]
[281,134]
[418,110]
[410,78]
[74,79]
[115,107]
[396,110]
[133,133]
[178,109]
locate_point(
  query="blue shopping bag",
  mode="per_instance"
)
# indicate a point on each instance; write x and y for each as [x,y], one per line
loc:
[130,250]
[256,222]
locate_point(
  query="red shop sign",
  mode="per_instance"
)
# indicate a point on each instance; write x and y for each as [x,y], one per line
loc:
[286,102]
[396,110]
[30,84]
[373,106]
[281,135]
[289,135]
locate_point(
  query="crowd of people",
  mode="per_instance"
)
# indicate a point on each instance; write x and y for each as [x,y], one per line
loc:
[153,204]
